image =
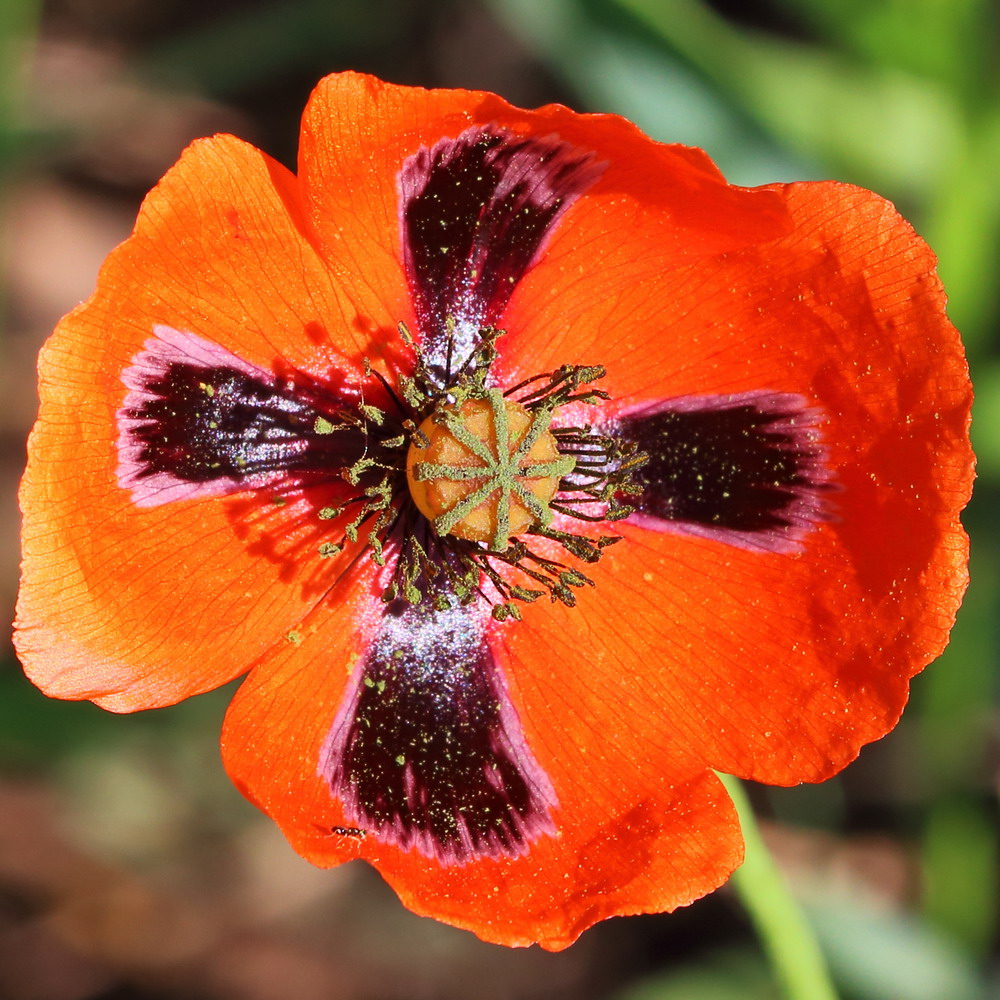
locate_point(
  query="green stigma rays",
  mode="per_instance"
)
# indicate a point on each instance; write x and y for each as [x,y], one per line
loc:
[486,469]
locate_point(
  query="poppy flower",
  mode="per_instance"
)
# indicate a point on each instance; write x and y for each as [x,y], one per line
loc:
[532,471]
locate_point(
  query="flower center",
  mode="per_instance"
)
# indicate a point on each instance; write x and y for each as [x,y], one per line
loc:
[486,468]
[485,475]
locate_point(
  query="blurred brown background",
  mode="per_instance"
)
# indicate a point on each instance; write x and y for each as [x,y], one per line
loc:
[129,867]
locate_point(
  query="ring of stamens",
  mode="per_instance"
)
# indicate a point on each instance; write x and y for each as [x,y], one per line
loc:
[587,476]
[486,469]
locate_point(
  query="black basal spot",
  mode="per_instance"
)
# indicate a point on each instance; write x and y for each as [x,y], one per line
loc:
[198,420]
[427,751]
[748,469]
[475,211]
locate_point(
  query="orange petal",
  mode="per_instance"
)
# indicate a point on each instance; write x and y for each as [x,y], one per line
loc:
[767,317]
[140,607]
[357,131]
[780,667]
[639,829]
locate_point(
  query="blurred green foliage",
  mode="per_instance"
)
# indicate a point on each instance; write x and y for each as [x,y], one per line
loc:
[18,23]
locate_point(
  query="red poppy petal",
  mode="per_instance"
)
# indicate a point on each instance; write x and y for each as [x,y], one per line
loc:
[358,131]
[731,324]
[780,666]
[638,828]
[135,607]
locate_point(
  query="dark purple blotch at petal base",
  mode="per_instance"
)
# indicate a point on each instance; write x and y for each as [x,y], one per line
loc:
[475,211]
[748,469]
[427,751]
[199,421]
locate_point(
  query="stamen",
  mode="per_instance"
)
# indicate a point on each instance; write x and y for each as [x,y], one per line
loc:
[484,477]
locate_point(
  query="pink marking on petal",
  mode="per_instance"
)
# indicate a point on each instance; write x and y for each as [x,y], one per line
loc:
[168,347]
